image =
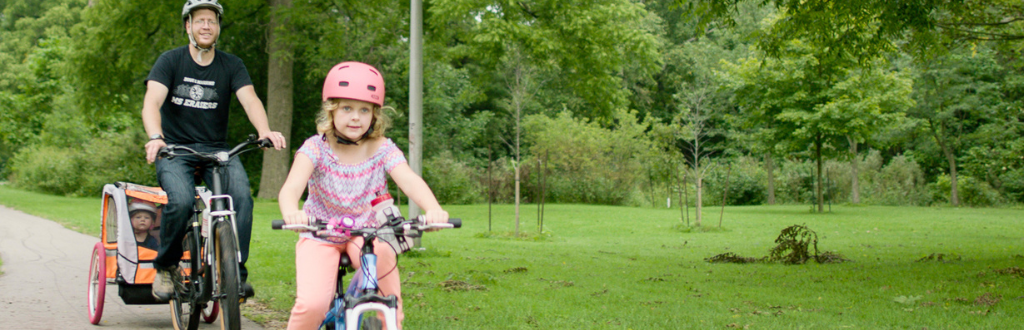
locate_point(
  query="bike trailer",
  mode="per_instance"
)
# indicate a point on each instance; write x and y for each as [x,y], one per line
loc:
[129,262]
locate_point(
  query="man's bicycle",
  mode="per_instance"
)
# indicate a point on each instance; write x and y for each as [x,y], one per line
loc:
[211,278]
[361,295]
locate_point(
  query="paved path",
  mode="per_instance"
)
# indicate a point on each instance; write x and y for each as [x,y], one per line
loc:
[43,285]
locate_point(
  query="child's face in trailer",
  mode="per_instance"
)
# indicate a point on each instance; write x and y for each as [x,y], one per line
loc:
[142,221]
[353,118]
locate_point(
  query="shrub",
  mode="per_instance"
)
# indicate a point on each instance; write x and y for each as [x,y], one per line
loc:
[745,181]
[452,181]
[82,171]
[1013,184]
[972,192]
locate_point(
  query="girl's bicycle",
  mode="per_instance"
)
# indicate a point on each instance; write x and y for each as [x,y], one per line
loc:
[210,277]
[361,294]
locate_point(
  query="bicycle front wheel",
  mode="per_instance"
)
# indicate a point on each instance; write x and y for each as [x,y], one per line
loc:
[185,305]
[226,266]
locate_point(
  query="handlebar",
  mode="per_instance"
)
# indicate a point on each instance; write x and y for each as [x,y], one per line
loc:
[406,227]
[172,150]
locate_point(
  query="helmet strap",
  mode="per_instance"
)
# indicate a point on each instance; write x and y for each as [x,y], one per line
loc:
[199,56]
[345,141]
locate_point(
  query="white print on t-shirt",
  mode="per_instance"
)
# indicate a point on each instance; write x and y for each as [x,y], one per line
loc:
[193,103]
[193,94]
[200,82]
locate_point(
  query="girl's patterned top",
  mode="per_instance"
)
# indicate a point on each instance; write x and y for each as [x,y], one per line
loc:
[338,190]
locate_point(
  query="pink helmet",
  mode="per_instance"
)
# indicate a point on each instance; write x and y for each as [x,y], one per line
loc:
[354,80]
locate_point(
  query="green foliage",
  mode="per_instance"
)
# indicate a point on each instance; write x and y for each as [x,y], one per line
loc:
[584,49]
[587,163]
[74,160]
[1013,183]
[973,192]
[745,181]
[452,181]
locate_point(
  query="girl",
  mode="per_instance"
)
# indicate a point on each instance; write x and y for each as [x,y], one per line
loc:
[344,167]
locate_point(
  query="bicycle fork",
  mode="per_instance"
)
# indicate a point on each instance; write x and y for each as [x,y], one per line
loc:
[362,296]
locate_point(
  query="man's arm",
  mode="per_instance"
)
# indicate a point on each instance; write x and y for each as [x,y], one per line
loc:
[155,95]
[258,115]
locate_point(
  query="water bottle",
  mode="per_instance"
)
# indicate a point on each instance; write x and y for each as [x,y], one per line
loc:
[384,208]
[386,212]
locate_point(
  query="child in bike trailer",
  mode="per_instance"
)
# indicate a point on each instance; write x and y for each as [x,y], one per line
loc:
[344,167]
[143,216]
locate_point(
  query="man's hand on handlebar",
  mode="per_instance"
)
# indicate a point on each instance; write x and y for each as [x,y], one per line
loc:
[276,137]
[152,148]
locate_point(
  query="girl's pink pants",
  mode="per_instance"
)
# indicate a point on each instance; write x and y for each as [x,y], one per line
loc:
[316,272]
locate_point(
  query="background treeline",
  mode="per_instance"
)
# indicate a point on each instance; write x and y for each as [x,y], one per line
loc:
[610,101]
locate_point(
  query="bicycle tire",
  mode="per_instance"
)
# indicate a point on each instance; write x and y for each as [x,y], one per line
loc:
[97,282]
[210,312]
[185,299]
[226,274]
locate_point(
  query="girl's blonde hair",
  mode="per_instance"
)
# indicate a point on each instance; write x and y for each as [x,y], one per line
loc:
[325,120]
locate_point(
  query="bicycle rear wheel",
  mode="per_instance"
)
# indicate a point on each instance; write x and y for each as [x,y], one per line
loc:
[186,310]
[226,274]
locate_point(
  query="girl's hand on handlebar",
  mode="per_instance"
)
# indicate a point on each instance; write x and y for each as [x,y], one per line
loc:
[152,148]
[435,216]
[296,218]
[275,137]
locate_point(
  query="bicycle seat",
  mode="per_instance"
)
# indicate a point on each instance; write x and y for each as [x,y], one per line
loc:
[345,261]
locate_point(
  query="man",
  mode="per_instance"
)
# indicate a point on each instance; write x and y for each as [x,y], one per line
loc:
[188,92]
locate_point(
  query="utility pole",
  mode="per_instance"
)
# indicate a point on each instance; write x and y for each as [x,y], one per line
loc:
[415,98]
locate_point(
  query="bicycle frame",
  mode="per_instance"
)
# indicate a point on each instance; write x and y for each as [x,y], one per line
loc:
[217,274]
[365,298]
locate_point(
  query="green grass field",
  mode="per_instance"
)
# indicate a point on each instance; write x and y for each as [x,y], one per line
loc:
[604,267]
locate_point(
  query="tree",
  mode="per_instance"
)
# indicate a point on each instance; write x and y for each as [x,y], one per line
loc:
[957,95]
[868,101]
[584,46]
[279,99]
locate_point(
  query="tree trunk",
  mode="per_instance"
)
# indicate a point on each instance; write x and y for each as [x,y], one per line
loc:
[725,195]
[817,155]
[279,102]
[770,165]
[855,178]
[954,196]
[517,201]
[699,180]
[682,203]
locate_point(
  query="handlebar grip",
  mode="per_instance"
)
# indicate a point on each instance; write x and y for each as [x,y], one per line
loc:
[277,224]
[265,143]
[456,222]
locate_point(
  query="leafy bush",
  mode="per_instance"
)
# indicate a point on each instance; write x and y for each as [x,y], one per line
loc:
[901,182]
[452,181]
[794,182]
[82,171]
[586,163]
[1013,184]
[972,192]
[745,181]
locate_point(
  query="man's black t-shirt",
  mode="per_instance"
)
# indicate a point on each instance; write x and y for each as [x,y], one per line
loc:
[198,97]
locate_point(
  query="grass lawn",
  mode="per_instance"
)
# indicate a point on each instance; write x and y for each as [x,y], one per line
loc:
[604,267]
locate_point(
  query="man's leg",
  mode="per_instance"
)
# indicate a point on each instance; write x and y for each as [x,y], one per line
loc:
[236,184]
[176,178]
